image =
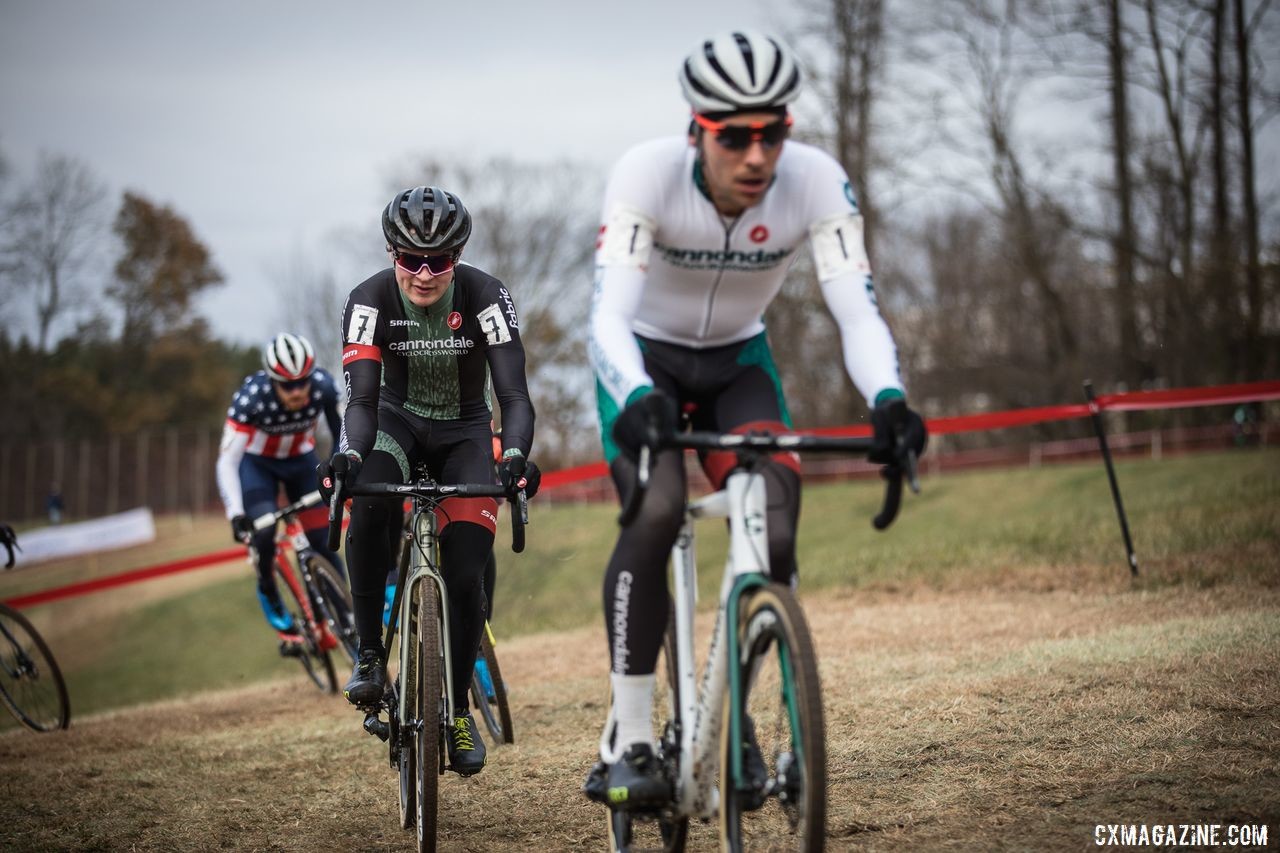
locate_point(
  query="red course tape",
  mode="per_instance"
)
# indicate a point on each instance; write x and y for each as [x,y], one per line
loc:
[1127,401]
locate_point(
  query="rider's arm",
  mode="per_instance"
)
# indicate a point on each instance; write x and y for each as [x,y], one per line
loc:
[505,354]
[362,339]
[329,401]
[235,438]
[844,273]
[622,263]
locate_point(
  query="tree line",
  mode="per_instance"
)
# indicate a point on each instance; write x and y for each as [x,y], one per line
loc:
[92,358]
[1053,190]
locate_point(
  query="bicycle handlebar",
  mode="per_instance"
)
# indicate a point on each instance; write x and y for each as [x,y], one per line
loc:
[755,445]
[270,519]
[428,490]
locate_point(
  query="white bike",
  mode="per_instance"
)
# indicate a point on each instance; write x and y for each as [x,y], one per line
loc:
[747,746]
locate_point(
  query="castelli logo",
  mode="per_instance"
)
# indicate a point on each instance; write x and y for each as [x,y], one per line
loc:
[759,234]
[455,320]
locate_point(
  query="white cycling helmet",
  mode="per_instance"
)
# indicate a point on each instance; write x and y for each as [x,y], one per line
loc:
[740,71]
[288,358]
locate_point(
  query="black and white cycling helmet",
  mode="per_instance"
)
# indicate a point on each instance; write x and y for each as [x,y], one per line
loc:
[288,358]
[426,220]
[740,71]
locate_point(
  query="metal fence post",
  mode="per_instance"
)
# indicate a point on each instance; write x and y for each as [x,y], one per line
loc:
[1095,412]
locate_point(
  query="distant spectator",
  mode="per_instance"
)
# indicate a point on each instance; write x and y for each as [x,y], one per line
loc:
[1245,423]
[53,504]
[9,540]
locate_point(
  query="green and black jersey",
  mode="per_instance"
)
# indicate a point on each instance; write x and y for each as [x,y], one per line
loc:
[434,364]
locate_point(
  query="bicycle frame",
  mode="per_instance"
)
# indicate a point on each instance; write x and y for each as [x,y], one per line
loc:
[424,544]
[742,502]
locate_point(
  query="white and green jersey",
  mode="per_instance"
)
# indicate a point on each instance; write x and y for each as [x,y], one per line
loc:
[670,268]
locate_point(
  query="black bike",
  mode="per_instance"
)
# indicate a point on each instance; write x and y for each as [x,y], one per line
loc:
[31,685]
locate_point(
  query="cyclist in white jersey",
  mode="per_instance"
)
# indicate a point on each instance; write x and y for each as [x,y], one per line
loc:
[699,233]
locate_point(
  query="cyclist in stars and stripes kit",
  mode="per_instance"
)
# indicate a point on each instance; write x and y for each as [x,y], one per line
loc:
[426,344]
[269,440]
[698,234]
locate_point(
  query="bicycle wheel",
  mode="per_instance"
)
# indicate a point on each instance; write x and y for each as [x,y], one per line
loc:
[334,610]
[316,661]
[404,748]
[781,803]
[664,830]
[493,705]
[31,684]
[430,699]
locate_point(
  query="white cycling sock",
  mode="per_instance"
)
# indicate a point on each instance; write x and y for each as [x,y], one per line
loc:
[632,704]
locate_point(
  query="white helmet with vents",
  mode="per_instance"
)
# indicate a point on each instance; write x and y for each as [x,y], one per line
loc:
[740,71]
[288,358]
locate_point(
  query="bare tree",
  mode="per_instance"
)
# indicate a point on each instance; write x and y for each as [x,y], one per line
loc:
[1244,105]
[52,229]
[310,303]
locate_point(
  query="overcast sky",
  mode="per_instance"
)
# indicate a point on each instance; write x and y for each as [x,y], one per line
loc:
[270,124]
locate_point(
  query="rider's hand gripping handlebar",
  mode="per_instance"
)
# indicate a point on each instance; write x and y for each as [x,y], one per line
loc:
[761,445]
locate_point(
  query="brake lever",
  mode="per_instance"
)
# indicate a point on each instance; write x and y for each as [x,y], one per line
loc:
[913,480]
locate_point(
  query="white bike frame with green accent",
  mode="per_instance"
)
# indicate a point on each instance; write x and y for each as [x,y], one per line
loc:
[742,502]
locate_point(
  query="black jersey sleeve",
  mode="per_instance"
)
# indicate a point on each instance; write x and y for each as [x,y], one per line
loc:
[504,351]
[363,338]
[328,388]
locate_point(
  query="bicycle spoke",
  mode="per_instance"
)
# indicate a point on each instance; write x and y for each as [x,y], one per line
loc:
[31,686]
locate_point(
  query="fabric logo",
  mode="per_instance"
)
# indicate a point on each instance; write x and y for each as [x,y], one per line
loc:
[759,234]
[455,320]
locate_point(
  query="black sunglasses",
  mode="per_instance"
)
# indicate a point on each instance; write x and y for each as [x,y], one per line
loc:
[294,384]
[738,137]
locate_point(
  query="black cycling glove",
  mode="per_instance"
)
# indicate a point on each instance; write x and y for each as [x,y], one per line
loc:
[241,528]
[345,464]
[655,410]
[892,419]
[516,472]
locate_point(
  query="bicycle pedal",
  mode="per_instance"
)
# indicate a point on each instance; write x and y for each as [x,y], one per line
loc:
[596,784]
[376,727]
[292,648]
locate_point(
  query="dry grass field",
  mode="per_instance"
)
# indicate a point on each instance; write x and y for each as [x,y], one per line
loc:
[1014,703]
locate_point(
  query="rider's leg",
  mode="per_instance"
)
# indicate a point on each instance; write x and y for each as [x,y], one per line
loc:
[636,598]
[259,488]
[752,401]
[490,583]
[464,543]
[368,548]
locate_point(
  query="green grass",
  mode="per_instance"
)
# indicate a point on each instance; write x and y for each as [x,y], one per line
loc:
[1197,521]
[209,638]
